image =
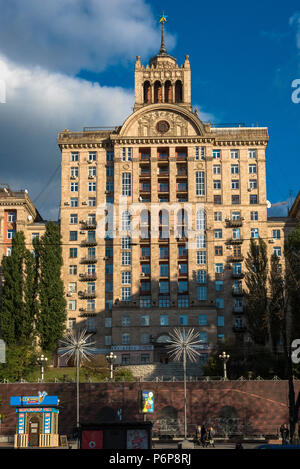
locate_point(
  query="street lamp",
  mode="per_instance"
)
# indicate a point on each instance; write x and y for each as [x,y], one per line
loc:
[111,357]
[225,357]
[43,362]
[182,345]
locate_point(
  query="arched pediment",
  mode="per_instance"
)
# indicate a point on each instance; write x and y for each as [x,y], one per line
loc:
[162,120]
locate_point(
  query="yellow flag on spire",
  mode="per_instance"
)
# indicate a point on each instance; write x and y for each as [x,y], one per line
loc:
[163,18]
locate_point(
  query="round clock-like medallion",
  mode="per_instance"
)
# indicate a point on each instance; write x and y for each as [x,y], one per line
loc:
[162,127]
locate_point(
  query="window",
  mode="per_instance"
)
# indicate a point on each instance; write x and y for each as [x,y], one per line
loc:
[254,216]
[254,233]
[220,303]
[201,276]
[183,320]
[92,156]
[277,251]
[235,199]
[109,156]
[126,293]
[74,187]
[126,258]
[203,337]
[73,235]
[251,153]
[126,221]
[201,241]
[92,186]
[252,184]
[237,268]
[74,156]
[73,253]
[164,320]
[235,184]
[126,242]
[219,285]
[218,268]
[200,183]
[217,200]
[126,278]
[145,320]
[218,216]
[236,215]
[202,320]
[92,171]
[216,154]
[236,233]
[71,323]
[11,217]
[221,322]
[164,270]
[217,184]
[125,339]
[145,269]
[199,153]
[164,286]
[37,235]
[107,322]
[145,286]
[218,233]
[218,250]
[253,199]
[200,220]
[182,286]
[145,358]
[234,154]
[276,234]
[108,305]
[74,201]
[73,269]
[216,169]
[145,338]
[183,301]
[72,305]
[109,171]
[108,286]
[252,168]
[202,293]
[201,257]
[74,172]
[234,169]
[126,184]
[221,338]
[164,301]
[145,301]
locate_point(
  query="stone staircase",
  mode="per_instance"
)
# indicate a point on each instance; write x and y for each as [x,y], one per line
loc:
[165,372]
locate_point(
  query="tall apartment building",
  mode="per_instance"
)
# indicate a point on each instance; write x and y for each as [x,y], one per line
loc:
[157,217]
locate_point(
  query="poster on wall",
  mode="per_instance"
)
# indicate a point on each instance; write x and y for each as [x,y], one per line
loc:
[92,439]
[137,439]
[147,402]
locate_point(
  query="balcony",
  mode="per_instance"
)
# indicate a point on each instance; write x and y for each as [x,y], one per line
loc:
[237,291]
[234,223]
[163,172]
[235,241]
[144,156]
[145,172]
[236,258]
[163,157]
[87,277]
[88,260]
[89,225]
[181,157]
[87,294]
[88,242]
[238,275]
[87,313]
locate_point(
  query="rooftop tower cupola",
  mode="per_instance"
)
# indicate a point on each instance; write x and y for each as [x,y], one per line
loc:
[163,80]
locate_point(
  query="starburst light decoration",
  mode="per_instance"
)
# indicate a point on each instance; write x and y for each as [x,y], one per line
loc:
[184,341]
[77,345]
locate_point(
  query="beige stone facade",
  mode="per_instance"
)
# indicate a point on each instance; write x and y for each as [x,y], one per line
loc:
[186,198]
[18,213]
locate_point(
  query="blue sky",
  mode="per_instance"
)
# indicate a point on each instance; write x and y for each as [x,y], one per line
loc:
[65,63]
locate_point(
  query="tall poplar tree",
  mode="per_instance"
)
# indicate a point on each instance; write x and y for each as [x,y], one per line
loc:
[52,304]
[256,276]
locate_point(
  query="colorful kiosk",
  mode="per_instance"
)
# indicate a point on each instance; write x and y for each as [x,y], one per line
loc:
[37,420]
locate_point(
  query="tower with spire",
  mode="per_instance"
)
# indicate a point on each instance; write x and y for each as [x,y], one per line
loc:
[162,80]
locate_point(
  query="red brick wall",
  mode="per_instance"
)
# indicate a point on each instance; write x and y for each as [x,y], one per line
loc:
[262,404]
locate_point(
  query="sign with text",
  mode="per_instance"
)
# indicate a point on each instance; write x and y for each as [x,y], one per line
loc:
[41,399]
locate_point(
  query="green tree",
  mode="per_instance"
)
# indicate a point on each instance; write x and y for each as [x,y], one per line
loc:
[20,362]
[17,299]
[51,301]
[277,304]
[256,296]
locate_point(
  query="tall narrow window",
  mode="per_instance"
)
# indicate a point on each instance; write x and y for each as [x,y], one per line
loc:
[178,92]
[157,92]
[126,184]
[200,185]
[147,92]
[168,92]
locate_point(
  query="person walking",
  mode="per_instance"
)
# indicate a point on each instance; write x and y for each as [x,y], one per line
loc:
[284,432]
[203,436]
[210,438]
[198,435]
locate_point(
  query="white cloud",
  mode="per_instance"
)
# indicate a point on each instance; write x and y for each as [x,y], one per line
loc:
[71,35]
[295,21]
[39,104]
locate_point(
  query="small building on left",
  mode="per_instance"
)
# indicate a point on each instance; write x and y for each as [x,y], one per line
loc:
[37,424]
[18,213]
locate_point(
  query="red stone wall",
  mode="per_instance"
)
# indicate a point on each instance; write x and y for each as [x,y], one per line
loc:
[262,405]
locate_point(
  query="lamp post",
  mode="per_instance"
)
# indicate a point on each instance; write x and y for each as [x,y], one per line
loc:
[43,362]
[225,357]
[111,357]
[183,345]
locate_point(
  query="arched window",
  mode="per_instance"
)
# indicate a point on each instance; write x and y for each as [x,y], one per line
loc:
[157,92]
[145,217]
[182,223]
[147,92]
[200,220]
[168,92]
[126,218]
[178,92]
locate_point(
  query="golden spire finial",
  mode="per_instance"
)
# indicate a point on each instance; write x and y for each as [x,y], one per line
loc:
[163,20]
